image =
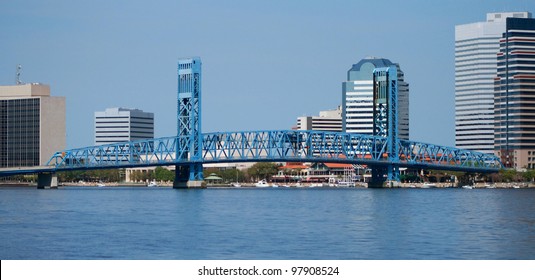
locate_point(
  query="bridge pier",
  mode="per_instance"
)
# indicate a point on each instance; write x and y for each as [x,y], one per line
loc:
[384,177]
[183,178]
[47,180]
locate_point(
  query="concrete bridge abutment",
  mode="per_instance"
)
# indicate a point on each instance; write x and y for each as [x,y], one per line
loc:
[47,180]
[183,179]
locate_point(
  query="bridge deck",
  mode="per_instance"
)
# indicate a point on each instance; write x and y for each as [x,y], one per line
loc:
[275,146]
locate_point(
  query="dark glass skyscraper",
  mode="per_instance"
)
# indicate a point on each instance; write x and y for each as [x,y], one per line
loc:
[514,95]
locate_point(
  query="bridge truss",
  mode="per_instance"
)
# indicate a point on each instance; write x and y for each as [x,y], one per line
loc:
[276,146]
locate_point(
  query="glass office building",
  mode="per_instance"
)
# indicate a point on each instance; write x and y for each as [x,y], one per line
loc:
[123,125]
[32,125]
[476,46]
[514,96]
[357,98]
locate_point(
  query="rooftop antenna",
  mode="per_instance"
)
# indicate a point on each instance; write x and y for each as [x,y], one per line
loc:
[19,67]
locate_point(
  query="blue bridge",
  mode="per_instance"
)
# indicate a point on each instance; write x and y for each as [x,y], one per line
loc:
[382,152]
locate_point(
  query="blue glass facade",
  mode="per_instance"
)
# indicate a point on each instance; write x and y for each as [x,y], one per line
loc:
[514,107]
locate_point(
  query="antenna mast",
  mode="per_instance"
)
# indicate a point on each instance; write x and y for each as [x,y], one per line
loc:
[19,67]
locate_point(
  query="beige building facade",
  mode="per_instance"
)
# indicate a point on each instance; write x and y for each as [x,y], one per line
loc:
[32,125]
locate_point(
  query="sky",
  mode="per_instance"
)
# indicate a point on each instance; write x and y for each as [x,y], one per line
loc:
[265,63]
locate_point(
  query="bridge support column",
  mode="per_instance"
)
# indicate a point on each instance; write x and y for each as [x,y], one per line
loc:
[384,177]
[183,177]
[47,180]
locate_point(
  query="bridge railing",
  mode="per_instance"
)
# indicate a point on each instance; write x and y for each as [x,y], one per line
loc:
[276,145]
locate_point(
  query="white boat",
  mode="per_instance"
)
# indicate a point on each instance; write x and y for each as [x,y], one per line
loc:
[262,184]
[428,185]
[237,183]
[152,184]
[274,185]
[516,187]
[467,187]
[101,185]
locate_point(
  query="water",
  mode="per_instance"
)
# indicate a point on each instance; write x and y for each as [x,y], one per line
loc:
[163,223]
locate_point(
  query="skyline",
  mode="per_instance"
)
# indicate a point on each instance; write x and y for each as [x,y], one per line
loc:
[125,54]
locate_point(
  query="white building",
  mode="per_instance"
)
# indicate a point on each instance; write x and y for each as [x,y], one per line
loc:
[357,98]
[121,125]
[476,47]
[330,120]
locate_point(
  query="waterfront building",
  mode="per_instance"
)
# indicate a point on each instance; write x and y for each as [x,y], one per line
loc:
[476,46]
[329,120]
[357,98]
[514,95]
[122,125]
[32,125]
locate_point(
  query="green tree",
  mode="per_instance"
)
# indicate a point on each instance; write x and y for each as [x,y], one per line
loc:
[162,174]
[508,175]
[263,170]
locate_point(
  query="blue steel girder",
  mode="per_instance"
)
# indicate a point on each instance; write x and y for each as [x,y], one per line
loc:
[276,146]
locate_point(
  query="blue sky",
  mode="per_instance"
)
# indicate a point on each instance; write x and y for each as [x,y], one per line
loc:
[264,62]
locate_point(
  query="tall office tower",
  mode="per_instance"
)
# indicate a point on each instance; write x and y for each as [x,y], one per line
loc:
[330,120]
[357,98]
[476,45]
[32,125]
[514,99]
[122,125]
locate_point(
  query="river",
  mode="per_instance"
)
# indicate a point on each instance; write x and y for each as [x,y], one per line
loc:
[267,223]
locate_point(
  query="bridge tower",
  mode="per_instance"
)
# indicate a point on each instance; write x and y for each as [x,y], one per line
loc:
[385,123]
[189,140]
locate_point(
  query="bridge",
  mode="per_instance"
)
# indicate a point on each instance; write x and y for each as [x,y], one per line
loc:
[382,152]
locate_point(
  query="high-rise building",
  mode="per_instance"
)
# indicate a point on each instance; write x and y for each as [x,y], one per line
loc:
[122,125]
[514,99]
[32,125]
[357,98]
[476,46]
[329,120]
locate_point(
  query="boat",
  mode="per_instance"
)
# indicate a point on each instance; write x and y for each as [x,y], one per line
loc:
[274,185]
[428,185]
[101,185]
[346,184]
[237,183]
[261,184]
[152,184]
[467,187]
[516,187]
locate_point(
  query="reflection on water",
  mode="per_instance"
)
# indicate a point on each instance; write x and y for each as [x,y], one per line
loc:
[163,223]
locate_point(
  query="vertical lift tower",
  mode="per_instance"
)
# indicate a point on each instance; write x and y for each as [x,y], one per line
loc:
[385,124]
[189,124]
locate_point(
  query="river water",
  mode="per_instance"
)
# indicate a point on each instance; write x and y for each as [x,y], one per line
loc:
[267,223]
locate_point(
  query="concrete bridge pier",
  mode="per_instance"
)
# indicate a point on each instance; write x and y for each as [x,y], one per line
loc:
[183,178]
[47,180]
[384,177]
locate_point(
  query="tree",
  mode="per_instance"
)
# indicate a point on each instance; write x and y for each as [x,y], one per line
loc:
[508,175]
[263,170]
[162,174]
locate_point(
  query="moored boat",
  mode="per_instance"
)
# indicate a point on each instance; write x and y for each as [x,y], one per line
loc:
[261,184]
